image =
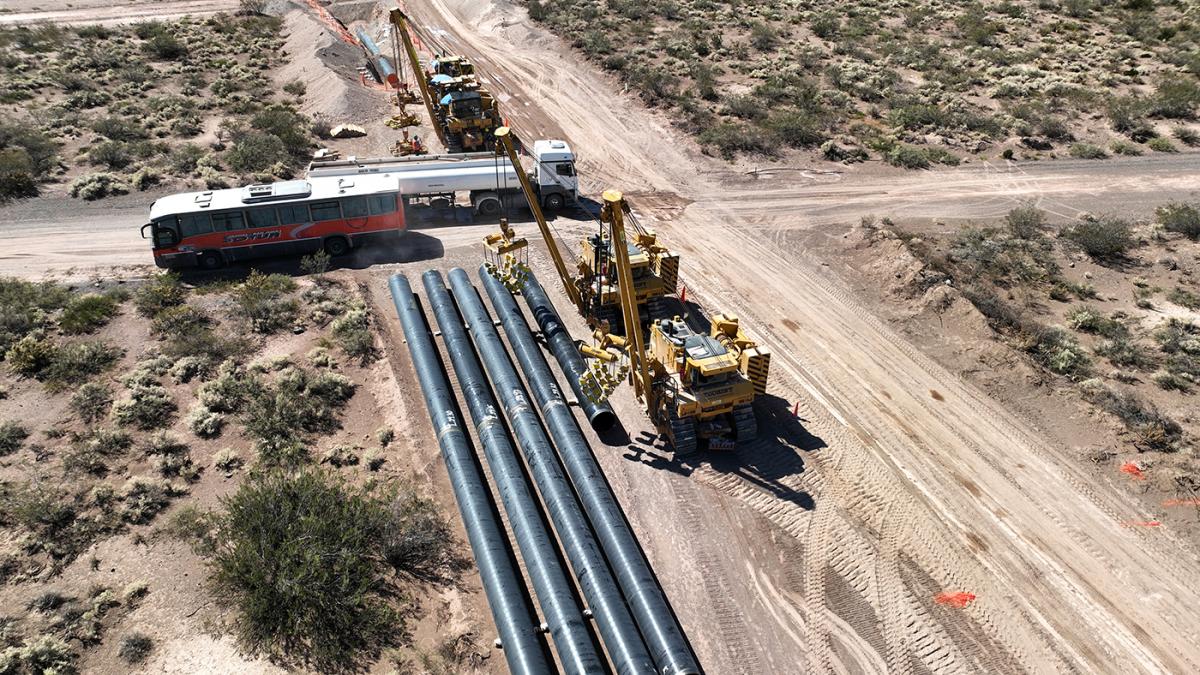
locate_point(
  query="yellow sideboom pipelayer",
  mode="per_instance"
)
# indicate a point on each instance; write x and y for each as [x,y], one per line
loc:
[694,386]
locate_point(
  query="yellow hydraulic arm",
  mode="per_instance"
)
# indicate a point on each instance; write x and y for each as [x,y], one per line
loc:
[504,140]
[613,212]
[400,21]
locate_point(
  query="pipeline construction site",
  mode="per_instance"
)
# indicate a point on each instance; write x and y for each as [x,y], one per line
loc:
[423,337]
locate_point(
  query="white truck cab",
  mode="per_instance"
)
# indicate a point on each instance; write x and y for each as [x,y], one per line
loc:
[554,171]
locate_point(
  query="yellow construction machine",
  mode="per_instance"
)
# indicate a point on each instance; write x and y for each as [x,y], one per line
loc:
[464,115]
[696,387]
[655,271]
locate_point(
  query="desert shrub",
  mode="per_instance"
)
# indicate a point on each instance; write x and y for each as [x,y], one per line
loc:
[1186,135]
[145,407]
[17,179]
[352,331]
[1178,335]
[26,306]
[27,154]
[1088,319]
[186,368]
[796,129]
[145,178]
[1087,151]
[1180,217]
[178,320]
[91,452]
[418,541]
[78,362]
[117,128]
[135,648]
[1150,428]
[229,390]
[316,264]
[204,422]
[1124,352]
[321,358]
[1173,382]
[46,655]
[1102,238]
[1161,144]
[227,461]
[256,151]
[1175,96]
[142,498]
[1026,221]
[94,186]
[731,139]
[341,455]
[163,291]
[12,435]
[295,88]
[1057,351]
[260,300]
[31,355]
[91,401]
[185,159]
[86,313]
[1184,298]
[299,556]
[165,47]
[996,255]
[112,154]
[281,416]
[284,123]
[385,436]
[1125,148]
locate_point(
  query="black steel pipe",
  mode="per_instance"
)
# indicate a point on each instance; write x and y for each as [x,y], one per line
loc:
[555,593]
[600,590]
[668,645]
[521,638]
[558,339]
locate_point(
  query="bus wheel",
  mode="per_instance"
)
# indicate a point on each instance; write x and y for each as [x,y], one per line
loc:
[337,246]
[554,202]
[210,261]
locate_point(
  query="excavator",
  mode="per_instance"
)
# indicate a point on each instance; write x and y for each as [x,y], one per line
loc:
[464,115]
[696,387]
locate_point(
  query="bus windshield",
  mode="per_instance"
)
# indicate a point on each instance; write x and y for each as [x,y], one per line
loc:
[165,232]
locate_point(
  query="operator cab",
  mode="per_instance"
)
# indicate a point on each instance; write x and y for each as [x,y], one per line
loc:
[554,167]
[464,105]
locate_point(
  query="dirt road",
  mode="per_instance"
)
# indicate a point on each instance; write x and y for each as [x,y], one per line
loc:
[26,12]
[924,484]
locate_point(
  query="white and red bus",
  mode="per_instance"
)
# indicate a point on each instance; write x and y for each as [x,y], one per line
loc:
[337,214]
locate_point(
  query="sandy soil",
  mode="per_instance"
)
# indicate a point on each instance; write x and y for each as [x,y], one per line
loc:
[23,12]
[925,484]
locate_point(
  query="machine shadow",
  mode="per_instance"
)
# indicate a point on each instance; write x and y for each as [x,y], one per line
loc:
[766,462]
[408,247]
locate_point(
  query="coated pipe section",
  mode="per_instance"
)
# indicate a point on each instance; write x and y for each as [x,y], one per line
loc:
[599,415]
[520,635]
[668,645]
[383,68]
[568,626]
[616,625]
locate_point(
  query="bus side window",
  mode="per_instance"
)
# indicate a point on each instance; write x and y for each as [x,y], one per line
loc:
[381,204]
[192,224]
[325,211]
[228,221]
[354,207]
[262,217]
[293,214]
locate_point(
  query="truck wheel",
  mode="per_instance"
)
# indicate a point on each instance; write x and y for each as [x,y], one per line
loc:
[337,246]
[489,207]
[554,202]
[210,260]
